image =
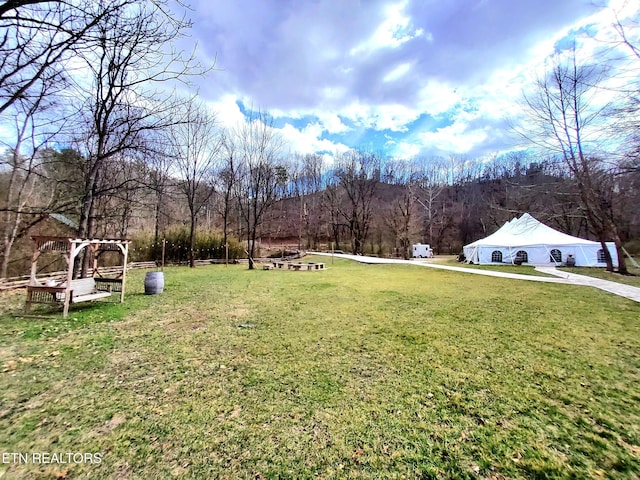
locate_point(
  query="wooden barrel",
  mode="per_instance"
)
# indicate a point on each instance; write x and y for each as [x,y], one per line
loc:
[153,283]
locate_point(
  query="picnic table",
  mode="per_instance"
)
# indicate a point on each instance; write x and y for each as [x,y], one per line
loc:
[297,266]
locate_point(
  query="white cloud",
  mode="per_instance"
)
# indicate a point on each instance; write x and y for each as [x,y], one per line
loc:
[456,138]
[395,30]
[331,123]
[397,73]
[308,139]
[228,113]
[393,117]
[334,93]
[406,150]
[438,97]
[498,99]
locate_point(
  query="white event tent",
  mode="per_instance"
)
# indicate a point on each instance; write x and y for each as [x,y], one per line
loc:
[527,240]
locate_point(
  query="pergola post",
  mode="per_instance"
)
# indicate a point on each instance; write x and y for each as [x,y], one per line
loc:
[70,262]
[124,248]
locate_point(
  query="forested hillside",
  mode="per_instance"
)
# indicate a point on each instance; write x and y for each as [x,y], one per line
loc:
[361,203]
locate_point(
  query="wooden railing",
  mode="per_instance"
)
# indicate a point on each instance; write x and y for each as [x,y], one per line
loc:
[23,281]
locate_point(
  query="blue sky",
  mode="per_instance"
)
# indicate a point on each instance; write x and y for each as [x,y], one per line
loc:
[405,78]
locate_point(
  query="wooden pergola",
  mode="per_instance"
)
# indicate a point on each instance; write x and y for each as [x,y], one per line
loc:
[91,287]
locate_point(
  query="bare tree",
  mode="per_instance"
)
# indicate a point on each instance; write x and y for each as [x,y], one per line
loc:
[294,191]
[331,203]
[127,45]
[357,177]
[159,164]
[122,205]
[563,118]
[310,198]
[277,219]
[256,185]
[131,55]
[398,218]
[18,192]
[39,37]
[25,202]
[226,175]
[195,143]
[626,116]
[427,184]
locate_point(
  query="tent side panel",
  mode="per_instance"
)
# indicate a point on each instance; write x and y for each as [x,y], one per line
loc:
[471,253]
[587,255]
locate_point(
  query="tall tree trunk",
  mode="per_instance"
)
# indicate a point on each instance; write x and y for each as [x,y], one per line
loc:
[192,244]
[156,233]
[250,243]
[6,255]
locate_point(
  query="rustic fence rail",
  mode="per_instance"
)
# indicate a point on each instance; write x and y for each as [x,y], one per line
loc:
[22,281]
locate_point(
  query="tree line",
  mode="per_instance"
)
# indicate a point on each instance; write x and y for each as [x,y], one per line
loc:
[104,133]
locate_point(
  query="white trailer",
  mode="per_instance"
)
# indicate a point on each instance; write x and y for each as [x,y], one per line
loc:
[422,250]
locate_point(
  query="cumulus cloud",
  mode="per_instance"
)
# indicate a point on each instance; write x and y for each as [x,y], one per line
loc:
[395,29]
[353,70]
[307,140]
[456,138]
[331,123]
[228,113]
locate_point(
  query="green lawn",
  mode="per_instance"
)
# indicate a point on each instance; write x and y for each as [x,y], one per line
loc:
[519,269]
[598,272]
[357,372]
[633,279]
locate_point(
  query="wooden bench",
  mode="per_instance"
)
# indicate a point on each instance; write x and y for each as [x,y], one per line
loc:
[82,290]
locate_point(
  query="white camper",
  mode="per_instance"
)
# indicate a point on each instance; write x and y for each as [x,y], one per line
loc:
[421,250]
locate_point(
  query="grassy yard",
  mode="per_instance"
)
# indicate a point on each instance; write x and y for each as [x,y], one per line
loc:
[633,279]
[519,269]
[597,272]
[356,372]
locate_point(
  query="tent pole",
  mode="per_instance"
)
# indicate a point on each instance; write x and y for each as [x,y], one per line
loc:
[549,255]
